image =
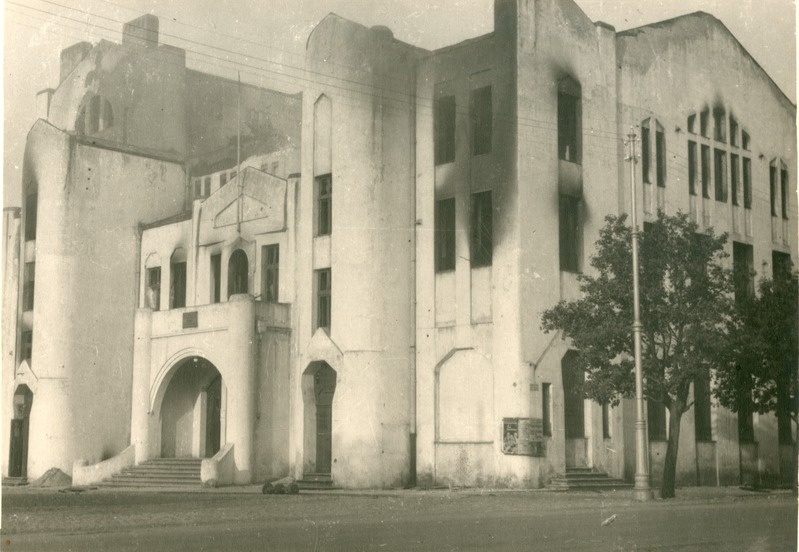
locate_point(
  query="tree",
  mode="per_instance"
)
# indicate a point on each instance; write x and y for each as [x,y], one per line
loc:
[761,372]
[686,307]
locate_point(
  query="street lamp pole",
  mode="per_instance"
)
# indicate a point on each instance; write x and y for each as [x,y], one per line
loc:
[641,489]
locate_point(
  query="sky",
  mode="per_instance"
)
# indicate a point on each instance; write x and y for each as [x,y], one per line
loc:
[263,38]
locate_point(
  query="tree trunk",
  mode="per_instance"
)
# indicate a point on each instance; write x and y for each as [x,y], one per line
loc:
[670,464]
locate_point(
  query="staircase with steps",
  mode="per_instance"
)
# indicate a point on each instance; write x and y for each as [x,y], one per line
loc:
[315,482]
[159,472]
[586,479]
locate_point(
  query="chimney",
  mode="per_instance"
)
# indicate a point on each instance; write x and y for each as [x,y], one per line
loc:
[72,56]
[142,31]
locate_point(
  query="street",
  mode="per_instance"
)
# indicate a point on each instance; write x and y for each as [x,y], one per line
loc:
[399,521]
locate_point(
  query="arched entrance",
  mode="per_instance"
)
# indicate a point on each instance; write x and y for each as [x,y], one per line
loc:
[574,411]
[191,410]
[318,387]
[238,273]
[18,447]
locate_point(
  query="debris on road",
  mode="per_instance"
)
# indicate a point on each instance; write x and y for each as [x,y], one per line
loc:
[53,478]
[608,521]
[287,485]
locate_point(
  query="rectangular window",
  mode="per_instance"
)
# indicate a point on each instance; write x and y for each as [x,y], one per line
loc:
[743,269]
[216,278]
[733,131]
[706,171]
[720,174]
[747,174]
[781,265]
[606,421]
[692,123]
[745,140]
[692,168]
[324,205]
[719,126]
[270,272]
[481,229]
[660,158]
[735,179]
[445,234]
[207,186]
[154,288]
[27,346]
[31,208]
[569,233]
[645,156]
[703,120]
[198,188]
[772,177]
[222,179]
[656,420]
[444,123]
[177,288]
[568,127]
[482,120]
[546,408]
[784,192]
[702,420]
[323,287]
[27,286]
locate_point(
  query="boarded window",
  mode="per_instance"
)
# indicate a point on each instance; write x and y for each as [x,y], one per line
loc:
[270,272]
[706,171]
[735,179]
[720,174]
[28,281]
[743,267]
[445,234]
[570,233]
[656,420]
[747,178]
[31,212]
[323,298]
[569,121]
[324,204]
[692,168]
[481,229]
[238,267]
[444,122]
[482,120]
[702,419]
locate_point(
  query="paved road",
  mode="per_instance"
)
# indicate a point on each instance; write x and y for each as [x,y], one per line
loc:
[403,522]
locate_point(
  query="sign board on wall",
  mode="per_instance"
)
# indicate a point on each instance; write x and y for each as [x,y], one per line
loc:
[523,436]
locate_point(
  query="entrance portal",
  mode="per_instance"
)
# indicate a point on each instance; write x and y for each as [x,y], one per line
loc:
[574,411]
[18,447]
[191,411]
[319,386]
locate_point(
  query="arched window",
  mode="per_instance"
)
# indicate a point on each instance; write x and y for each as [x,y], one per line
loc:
[237,268]
[95,116]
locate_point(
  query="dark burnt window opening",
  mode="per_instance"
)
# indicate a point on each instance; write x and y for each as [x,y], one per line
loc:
[703,424]
[28,281]
[481,230]
[645,156]
[747,181]
[238,273]
[546,408]
[323,298]
[27,345]
[656,420]
[692,123]
[100,115]
[720,174]
[569,127]
[719,125]
[444,123]
[733,131]
[570,233]
[177,286]
[745,140]
[482,120]
[445,235]
[660,157]
[784,192]
[743,269]
[216,278]
[735,178]
[324,204]
[692,168]
[772,172]
[706,171]
[703,121]
[31,213]
[270,272]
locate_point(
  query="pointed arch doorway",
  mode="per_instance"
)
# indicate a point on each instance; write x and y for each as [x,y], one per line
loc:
[318,387]
[18,447]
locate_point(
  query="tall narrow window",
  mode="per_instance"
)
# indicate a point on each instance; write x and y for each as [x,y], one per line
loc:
[177,285]
[706,171]
[605,421]
[569,233]
[747,177]
[207,186]
[646,157]
[692,168]
[29,278]
[772,177]
[31,208]
[569,121]
[153,291]
[703,120]
[482,120]
[719,124]
[703,430]
[660,156]
[735,179]
[546,408]
[198,187]
[733,131]
[444,122]
[784,192]
[692,123]
[745,140]
[720,174]
[323,299]
[216,278]
[743,267]
[324,205]
[238,268]
[270,272]
[27,345]
[222,179]
[481,229]
[656,420]
[445,234]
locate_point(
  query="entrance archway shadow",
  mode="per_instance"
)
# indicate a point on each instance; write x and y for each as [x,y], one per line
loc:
[18,446]
[318,389]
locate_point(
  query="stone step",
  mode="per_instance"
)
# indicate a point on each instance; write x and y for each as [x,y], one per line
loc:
[584,479]
[315,482]
[158,472]
[14,481]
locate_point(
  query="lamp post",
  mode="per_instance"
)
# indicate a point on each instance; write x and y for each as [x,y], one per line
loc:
[641,489]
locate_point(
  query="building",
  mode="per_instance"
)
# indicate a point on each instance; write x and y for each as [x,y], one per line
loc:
[359,299]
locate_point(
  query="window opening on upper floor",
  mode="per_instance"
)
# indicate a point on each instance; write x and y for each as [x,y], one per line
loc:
[480,106]
[270,273]
[772,178]
[719,124]
[646,145]
[660,155]
[743,271]
[746,165]
[324,204]
[444,129]
[784,192]
[95,116]
[656,420]
[720,174]
[238,273]
[222,179]
[692,167]
[31,215]
[28,281]
[735,179]
[569,120]
[745,140]
[570,234]
[323,300]
[692,123]
[216,277]
[445,234]
[733,131]
[153,288]
[177,283]
[703,426]
[705,171]
[481,229]
[704,115]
